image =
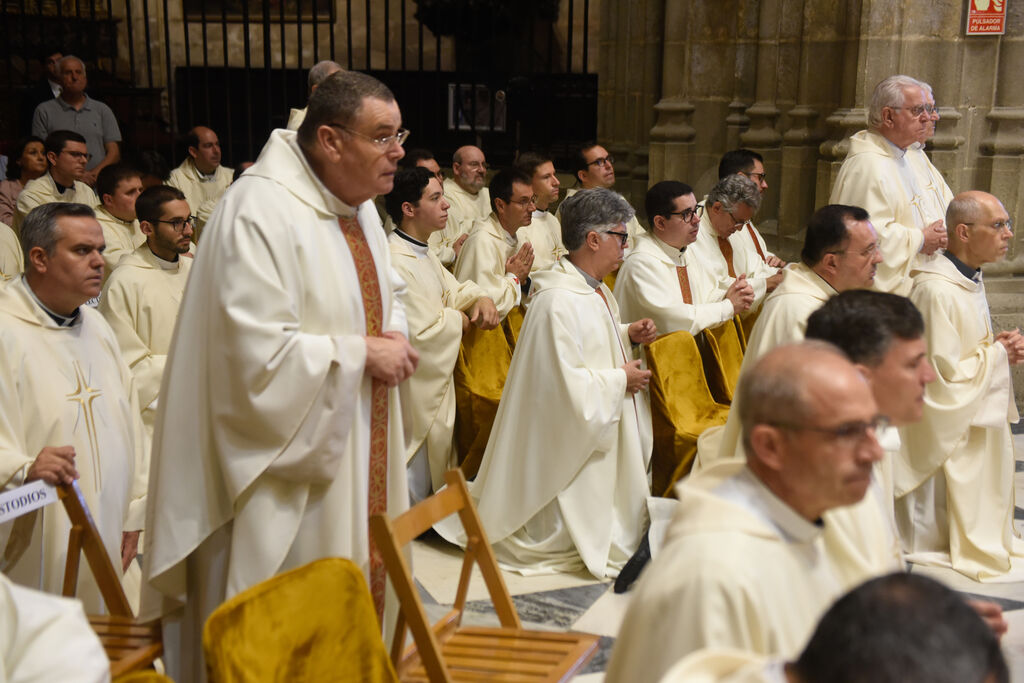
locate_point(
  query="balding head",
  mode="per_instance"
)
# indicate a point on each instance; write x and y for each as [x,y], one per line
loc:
[319,73]
[805,411]
[203,145]
[469,168]
[978,227]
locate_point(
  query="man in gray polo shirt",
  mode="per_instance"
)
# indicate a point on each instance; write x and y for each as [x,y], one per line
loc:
[74,110]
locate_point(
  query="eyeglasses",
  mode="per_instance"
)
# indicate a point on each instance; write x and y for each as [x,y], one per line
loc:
[77,155]
[524,202]
[623,236]
[688,214]
[384,142]
[476,165]
[756,177]
[869,251]
[919,109]
[736,223]
[848,433]
[998,225]
[601,161]
[179,223]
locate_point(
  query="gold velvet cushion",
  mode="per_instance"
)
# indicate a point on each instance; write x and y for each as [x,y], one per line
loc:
[480,374]
[314,623]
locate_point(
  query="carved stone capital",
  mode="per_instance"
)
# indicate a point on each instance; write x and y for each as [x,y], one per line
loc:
[1006,134]
[762,132]
[802,131]
[946,137]
[674,122]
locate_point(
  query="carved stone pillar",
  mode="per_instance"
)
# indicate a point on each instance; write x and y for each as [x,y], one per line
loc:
[673,133]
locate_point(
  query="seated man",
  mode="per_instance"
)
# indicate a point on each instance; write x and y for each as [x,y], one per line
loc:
[68,403]
[750,164]
[746,562]
[492,256]
[563,481]
[595,167]
[200,176]
[118,186]
[906,628]
[544,231]
[654,281]
[721,248]
[439,310]
[468,198]
[141,299]
[954,485]
[66,154]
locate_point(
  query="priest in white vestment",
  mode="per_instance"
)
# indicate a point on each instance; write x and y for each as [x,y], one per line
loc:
[750,164]
[317,74]
[544,232]
[12,261]
[492,255]
[439,309]
[68,406]
[595,167]
[840,252]
[954,485]
[469,201]
[141,301]
[118,186]
[655,279]
[563,482]
[721,249]
[67,155]
[201,177]
[887,174]
[747,562]
[279,428]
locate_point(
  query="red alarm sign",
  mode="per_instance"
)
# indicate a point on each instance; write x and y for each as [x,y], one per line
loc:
[986,17]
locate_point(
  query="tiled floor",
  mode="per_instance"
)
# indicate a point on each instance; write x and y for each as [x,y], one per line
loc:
[579,602]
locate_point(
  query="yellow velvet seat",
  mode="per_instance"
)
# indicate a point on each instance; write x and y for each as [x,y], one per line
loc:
[682,407]
[313,623]
[148,676]
[725,345]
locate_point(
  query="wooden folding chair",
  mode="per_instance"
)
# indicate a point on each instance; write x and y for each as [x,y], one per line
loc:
[130,644]
[448,651]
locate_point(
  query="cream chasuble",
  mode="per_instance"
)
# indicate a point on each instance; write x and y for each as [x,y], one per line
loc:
[47,638]
[464,208]
[891,186]
[43,190]
[545,234]
[563,481]
[713,269]
[295,118]
[121,238]
[962,445]
[140,301]
[201,192]
[783,320]
[12,261]
[725,665]
[433,299]
[482,260]
[266,443]
[739,569]
[648,286]
[67,386]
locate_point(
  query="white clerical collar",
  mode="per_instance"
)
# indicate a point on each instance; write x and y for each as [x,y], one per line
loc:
[539,213]
[419,248]
[896,149]
[749,492]
[61,320]
[591,280]
[164,263]
[510,240]
[675,255]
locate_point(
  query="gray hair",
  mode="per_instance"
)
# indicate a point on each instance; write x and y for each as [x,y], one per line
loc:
[68,58]
[320,71]
[775,389]
[339,100]
[594,210]
[889,93]
[40,228]
[733,190]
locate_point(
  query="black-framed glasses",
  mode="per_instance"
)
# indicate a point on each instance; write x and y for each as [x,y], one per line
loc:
[998,225]
[601,161]
[384,142]
[736,223]
[848,432]
[623,236]
[179,223]
[919,109]
[688,214]
[757,177]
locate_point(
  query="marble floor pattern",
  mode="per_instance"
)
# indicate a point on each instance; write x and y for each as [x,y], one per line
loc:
[581,603]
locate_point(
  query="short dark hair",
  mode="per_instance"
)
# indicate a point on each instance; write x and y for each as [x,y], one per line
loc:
[864,323]
[902,627]
[738,161]
[826,231]
[111,176]
[40,226]
[415,155]
[338,99]
[149,205]
[57,140]
[529,162]
[150,163]
[501,185]
[408,187]
[660,199]
[579,159]
[13,167]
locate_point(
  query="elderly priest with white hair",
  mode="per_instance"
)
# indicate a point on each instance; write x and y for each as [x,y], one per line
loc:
[563,482]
